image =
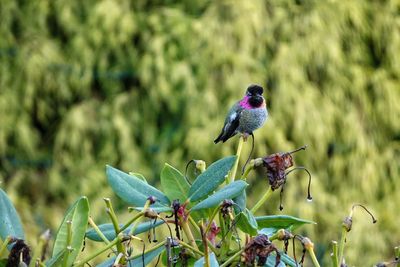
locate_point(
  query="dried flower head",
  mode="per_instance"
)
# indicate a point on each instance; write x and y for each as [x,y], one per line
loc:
[277,166]
[259,249]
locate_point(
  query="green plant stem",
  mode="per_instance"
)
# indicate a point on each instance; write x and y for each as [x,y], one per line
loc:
[111,213]
[313,257]
[232,258]
[145,207]
[262,200]
[194,224]
[211,246]
[342,243]
[4,245]
[114,220]
[188,233]
[193,249]
[334,255]
[69,237]
[397,252]
[210,219]
[205,245]
[247,171]
[238,152]
[98,252]
[133,219]
[226,244]
[98,231]
[38,251]
[162,243]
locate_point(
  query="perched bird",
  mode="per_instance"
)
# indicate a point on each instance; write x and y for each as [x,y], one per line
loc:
[246,115]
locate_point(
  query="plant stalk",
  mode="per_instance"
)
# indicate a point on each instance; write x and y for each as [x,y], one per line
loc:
[188,233]
[231,259]
[145,207]
[334,255]
[313,257]
[98,231]
[133,219]
[97,253]
[342,243]
[193,249]
[238,152]
[162,243]
[262,200]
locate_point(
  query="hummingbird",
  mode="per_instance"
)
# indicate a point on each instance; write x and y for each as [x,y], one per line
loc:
[246,115]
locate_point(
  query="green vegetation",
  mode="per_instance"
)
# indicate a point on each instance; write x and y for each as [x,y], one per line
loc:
[135,84]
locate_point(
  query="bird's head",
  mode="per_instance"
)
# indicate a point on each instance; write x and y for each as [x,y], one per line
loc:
[254,95]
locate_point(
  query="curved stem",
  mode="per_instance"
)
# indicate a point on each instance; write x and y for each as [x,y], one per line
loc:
[313,257]
[262,200]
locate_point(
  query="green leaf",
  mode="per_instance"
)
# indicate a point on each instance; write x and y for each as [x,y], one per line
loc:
[136,261]
[3,262]
[213,261]
[288,260]
[246,222]
[271,260]
[132,189]
[109,231]
[57,259]
[10,224]
[240,200]
[281,221]
[78,214]
[148,257]
[174,184]
[228,192]
[209,180]
[139,176]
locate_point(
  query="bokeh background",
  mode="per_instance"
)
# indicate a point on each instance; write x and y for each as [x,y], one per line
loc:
[138,83]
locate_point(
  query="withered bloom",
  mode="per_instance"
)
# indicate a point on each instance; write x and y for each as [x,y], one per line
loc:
[277,166]
[259,249]
[214,231]
[20,252]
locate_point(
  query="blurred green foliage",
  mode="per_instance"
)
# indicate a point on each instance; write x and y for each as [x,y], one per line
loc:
[139,83]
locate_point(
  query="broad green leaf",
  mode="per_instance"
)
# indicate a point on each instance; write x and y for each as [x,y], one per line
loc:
[108,263]
[189,261]
[132,189]
[209,180]
[213,261]
[271,261]
[268,231]
[240,200]
[10,224]
[3,262]
[57,259]
[281,221]
[228,192]
[158,209]
[139,176]
[288,260]
[109,232]
[148,257]
[78,214]
[246,222]
[174,184]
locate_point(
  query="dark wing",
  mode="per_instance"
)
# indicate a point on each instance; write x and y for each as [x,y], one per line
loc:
[230,126]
